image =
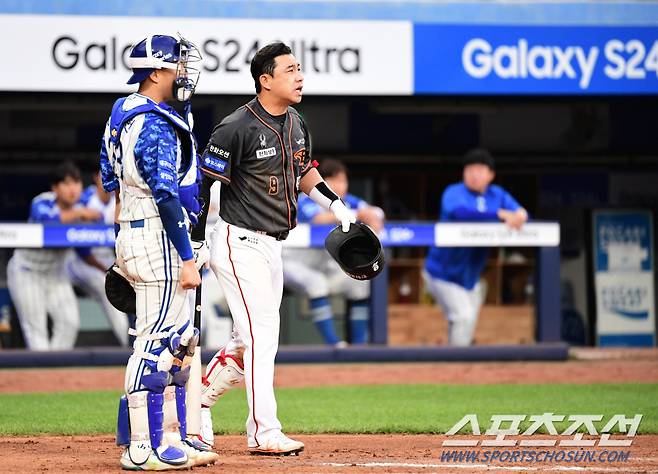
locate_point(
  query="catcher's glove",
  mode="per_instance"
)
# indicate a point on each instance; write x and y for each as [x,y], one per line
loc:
[119,291]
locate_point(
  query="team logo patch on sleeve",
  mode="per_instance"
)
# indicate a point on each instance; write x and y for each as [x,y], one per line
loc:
[300,156]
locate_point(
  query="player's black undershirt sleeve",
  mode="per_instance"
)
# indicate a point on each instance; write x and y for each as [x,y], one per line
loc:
[199,230]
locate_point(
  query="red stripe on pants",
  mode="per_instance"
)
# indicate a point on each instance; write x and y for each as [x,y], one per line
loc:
[251,333]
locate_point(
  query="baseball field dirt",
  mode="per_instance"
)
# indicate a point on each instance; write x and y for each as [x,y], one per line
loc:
[336,452]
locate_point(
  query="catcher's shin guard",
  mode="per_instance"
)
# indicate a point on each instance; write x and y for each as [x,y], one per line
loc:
[123,423]
[146,433]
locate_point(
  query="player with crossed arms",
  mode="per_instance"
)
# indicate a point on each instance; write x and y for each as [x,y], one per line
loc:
[148,156]
[260,153]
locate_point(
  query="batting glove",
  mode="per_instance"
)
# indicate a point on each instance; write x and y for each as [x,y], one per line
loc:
[343,214]
[201,254]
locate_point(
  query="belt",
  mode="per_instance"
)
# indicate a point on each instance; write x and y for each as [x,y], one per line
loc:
[277,235]
[152,223]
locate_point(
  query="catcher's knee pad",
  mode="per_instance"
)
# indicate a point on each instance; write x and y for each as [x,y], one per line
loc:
[145,430]
[224,372]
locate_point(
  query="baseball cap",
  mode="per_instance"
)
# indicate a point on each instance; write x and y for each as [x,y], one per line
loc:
[478,156]
[139,75]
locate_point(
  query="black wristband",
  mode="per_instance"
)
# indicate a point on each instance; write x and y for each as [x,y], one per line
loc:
[326,191]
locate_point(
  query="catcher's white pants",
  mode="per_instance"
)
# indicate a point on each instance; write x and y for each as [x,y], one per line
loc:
[36,294]
[248,267]
[152,265]
[460,307]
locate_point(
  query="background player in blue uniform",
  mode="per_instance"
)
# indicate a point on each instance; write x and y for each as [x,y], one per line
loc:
[317,275]
[452,274]
[37,278]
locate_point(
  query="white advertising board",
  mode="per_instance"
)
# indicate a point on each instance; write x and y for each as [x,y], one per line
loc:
[87,53]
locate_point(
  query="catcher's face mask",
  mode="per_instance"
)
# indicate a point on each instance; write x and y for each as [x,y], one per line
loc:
[167,52]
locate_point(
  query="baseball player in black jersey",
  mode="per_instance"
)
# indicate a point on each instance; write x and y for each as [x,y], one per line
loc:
[261,155]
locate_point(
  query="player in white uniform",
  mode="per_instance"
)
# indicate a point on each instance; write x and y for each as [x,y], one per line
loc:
[260,153]
[317,275]
[148,156]
[91,277]
[37,278]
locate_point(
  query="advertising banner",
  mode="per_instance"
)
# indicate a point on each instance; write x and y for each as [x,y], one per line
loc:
[624,278]
[88,53]
[475,59]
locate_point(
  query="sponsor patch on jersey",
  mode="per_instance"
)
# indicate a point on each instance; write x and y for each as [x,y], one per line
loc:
[167,165]
[214,164]
[166,176]
[218,151]
[260,154]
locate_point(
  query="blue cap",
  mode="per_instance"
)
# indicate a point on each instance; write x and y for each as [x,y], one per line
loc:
[139,75]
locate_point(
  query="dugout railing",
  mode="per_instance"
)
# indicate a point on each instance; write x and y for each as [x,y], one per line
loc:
[544,236]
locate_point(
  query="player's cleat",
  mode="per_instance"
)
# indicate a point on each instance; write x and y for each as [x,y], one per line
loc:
[207,436]
[278,445]
[198,457]
[155,463]
[341,345]
[197,443]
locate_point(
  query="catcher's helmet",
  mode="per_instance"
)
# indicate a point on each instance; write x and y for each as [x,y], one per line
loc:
[166,52]
[358,251]
[120,292]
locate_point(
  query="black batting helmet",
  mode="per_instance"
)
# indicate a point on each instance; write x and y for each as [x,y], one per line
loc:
[358,251]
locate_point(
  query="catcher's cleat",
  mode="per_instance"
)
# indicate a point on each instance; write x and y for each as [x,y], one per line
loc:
[278,445]
[153,463]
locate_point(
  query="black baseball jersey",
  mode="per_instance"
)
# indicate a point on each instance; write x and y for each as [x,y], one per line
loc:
[259,159]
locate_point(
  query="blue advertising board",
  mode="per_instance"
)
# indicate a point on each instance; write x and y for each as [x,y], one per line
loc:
[624,278]
[474,59]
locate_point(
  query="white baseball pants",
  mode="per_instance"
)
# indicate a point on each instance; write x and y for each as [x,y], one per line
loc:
[153,266]
[36,295]
[460,307]
[248,267]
